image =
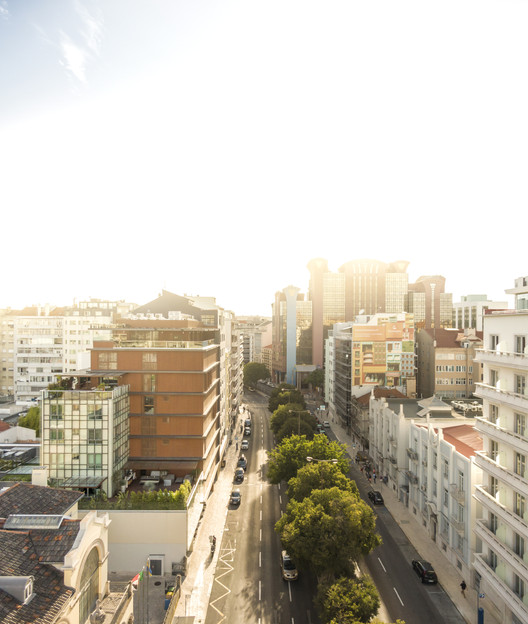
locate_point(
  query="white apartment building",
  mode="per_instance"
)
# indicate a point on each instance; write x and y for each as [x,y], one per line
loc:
[501,562]
[425,451]
[470,310]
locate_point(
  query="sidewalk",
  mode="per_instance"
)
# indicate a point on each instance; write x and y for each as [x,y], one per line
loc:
[199,577]
[426,547]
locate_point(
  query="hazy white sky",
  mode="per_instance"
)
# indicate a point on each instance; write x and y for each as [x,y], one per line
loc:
[214,148]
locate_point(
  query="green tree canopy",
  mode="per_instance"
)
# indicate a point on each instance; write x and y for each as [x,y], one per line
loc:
[290,419]
[348,600]
[316,378]
[31,420]
[328,530]
[318,476]
[253,371]
[285,394]
[290,454]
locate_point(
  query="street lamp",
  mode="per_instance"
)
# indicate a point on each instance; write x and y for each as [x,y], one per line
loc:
[298,420]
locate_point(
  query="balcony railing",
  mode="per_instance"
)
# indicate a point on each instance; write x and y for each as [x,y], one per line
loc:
[489,502]
[505,475]
[458,494]
[412,454]
[494,394]
[493,580]
[482,531]
[498,433]
[502,358]
[458,525]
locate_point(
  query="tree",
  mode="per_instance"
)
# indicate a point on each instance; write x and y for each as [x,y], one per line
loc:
[285,394]
[31,420]
[290,455]
[291,418]
[253,371]
[319,476]
[316,379]
[328,531]
[348,600]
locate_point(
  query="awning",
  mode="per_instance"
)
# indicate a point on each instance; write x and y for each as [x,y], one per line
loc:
[82,482]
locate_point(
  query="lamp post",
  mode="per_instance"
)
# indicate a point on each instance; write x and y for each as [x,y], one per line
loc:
[298,420]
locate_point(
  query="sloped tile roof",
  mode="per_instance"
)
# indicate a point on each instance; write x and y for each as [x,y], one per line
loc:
[52,545]
[19,558]
[26,498]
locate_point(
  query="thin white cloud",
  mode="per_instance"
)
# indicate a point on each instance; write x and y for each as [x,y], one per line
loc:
[4,9]
[74,58]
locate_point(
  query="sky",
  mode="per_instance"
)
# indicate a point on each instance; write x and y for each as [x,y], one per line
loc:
[214,148]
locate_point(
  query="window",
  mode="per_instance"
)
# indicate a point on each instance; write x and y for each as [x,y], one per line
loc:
[446,468]
[493,561]
[518,586]
[150,361]
[520,384]
[493,523]
[108,360]
[95,412]
[55,412]
[493,377]
[94,460]
[95,436]
[520,344]
[520,424]
[519,504]
[520,464]
[518,545]
[493,450]
[493,486]
[446,497]
[149,383]
[57,435]
[493,342]
[493,414]
[148,404]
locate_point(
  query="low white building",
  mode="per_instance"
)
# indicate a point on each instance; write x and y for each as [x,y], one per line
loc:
[424,452]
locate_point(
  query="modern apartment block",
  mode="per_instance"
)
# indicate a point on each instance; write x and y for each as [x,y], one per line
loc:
[426,452]
[39,343]
[373,351]
[501,568]
[469,312]
[446,364]
[85,434]
[255,332]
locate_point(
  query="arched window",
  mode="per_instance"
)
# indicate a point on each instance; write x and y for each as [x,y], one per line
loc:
[89,586]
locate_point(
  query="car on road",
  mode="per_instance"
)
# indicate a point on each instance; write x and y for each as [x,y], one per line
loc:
[247,422]
[375,497]
[244,445]
[242,462]
[288,569]
[235,498]
[425,571]
[247,431]
[239,475]
[326,423]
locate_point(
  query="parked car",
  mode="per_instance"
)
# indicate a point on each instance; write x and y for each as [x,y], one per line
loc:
[247,431]
[244,445]
[235,498]
[375,497]
[326,423]
[247,422]
[425,571]
[242,462]
[288,569]
[239,475]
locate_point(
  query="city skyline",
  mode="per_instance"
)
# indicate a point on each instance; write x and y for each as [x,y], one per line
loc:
[214,150]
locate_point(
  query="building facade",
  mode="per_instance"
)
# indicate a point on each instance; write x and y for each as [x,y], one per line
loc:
[470,310]
[501,568]
[446,364]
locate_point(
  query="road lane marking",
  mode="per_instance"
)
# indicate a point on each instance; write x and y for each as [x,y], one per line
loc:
[289,591]
[260,535]
[381,564]
[260,559]
[397,594]
[260,590]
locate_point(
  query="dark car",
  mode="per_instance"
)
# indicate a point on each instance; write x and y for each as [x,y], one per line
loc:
[247,422]
[242,462]
[235,498]
[375,497]
[425,571]
[288,569]
[239,475]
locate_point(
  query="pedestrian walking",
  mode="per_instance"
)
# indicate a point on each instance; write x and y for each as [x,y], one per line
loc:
[463,588]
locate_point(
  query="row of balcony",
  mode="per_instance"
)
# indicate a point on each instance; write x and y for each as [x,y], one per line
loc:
[502,358]
[494,394]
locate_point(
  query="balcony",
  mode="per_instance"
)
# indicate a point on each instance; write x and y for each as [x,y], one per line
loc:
[489,502]
[496,395]
[458,525]
[392,459]
[411,476]
[412,454]
[458,494]
[508,596]
[492,468]
[502,358]
[513,560]
[515,440]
